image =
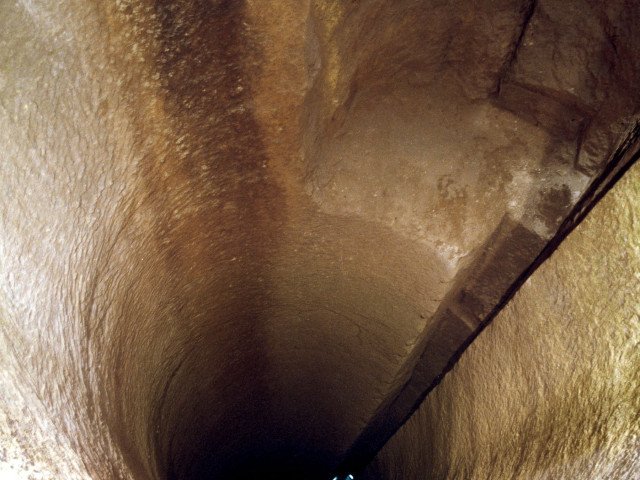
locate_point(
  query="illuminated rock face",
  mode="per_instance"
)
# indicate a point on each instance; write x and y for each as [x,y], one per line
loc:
[551,388]
[242,239]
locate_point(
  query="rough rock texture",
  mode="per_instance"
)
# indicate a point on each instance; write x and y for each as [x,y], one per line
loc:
[574,73]
[551,388]
[240,239]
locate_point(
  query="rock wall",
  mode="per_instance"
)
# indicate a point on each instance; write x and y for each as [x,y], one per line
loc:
[551,389]
[241,238]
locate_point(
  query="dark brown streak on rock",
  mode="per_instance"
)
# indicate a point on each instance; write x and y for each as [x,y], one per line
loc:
[207,214]
[217,222]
